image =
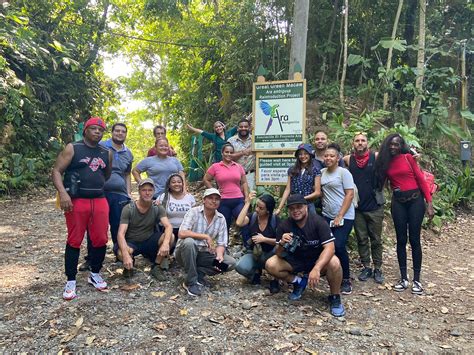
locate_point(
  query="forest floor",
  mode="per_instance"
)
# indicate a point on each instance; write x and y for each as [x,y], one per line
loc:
[233,316]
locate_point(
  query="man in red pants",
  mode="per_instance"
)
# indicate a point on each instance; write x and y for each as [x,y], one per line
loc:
[86,166]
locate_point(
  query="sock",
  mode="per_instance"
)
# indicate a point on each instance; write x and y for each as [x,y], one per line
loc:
[297,279]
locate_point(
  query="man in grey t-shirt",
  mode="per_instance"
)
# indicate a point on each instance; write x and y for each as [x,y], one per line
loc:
[136,234]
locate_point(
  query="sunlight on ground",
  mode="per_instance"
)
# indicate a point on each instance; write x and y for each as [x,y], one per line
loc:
[17,276]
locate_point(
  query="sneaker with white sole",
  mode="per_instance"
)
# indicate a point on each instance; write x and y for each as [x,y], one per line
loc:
[192,290]
[70,291]
[97,281]
[417,288]
[401,285]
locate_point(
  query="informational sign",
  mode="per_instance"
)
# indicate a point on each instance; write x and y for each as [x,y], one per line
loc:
[273,169]
[279,115]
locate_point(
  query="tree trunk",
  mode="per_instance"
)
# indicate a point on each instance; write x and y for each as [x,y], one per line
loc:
[95,49]
[298,38]
[420,66]
[331,33]
[344,63]
[390,50]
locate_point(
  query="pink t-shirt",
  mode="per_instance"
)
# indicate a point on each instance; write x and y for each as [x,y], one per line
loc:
[228,178]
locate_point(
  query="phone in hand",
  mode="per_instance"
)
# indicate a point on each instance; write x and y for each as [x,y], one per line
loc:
[331,224]
[221,266]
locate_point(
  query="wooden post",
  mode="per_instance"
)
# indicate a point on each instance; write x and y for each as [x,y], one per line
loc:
[463,84]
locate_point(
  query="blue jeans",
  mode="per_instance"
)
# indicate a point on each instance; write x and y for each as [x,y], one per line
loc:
[249,264]
[231,207]
[342,235]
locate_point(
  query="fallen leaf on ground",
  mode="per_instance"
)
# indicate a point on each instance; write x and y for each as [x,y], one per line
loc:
[79,322]
[298,330]
[183,312]
[90,340]
[444,310]
[445,346]
[283,346]
[310,351]
[174,297]
[207,340]
[158,294]
[367,294]
[129,287]
[246,323]
[160,326]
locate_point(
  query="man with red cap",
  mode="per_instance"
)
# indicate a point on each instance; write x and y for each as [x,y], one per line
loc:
[86,166]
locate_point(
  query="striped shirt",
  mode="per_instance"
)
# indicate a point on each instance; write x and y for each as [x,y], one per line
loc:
[195,221]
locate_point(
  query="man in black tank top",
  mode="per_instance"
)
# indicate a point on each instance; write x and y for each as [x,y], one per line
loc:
[86,166]
[369,213]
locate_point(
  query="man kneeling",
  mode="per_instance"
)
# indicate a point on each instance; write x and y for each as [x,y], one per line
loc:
[136,234]
[202,242]
[305,244]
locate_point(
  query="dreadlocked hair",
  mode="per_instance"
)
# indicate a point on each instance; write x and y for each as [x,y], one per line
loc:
[384,158]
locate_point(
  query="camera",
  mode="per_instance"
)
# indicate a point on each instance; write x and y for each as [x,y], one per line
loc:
[295,243]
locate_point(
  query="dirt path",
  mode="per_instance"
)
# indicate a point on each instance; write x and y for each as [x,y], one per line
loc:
[233,316]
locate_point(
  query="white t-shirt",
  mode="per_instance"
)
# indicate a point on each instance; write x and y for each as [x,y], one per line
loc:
[333,186]
[176,209]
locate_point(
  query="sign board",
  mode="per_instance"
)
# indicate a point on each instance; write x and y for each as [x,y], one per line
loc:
[273,169]
[279,109]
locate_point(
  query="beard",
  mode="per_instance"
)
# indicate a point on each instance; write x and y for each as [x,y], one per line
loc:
[118,141]
[244,134]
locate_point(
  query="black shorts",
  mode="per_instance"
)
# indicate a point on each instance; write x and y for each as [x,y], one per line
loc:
[148,248]
[302,263]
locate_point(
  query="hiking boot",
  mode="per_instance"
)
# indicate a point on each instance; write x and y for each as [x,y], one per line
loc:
[127,273]
[401,285]
[70,291]
[346,287]
[85,266]
[157,273]
[417,288]
[335,306]
[378,276]
[97,281]
[365,274]
[193,290]
[202,281]
[298,289]
[256,279]
[274,286]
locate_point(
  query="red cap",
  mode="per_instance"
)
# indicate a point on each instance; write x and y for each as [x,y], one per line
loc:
[97,121]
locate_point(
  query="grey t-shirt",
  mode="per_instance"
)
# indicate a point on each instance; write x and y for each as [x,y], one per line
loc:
[159,169]
[333,186]
[140,225]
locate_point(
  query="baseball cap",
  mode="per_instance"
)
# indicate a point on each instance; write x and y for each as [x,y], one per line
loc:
[146,181]
[97,121]
[211,191]
[296,199]
[306,147]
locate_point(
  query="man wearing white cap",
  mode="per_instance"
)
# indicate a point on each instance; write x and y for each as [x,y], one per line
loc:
[202,243]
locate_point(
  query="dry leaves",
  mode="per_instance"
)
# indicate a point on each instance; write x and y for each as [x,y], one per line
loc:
[74,331]
[129,287]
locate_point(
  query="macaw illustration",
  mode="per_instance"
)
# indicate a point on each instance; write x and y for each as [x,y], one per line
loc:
[268,110]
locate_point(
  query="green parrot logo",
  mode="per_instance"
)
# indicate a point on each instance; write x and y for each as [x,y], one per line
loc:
[272,112]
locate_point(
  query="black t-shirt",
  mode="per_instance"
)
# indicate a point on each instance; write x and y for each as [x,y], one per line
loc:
[316,233]
[89,163]
[269,231]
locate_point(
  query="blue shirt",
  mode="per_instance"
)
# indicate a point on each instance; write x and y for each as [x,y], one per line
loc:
[121,166]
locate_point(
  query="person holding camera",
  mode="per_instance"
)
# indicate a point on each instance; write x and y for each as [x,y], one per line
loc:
[86,166]
[203,238]
[305,245]
[262,225]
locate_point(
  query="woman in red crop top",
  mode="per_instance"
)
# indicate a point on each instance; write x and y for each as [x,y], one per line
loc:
[407,182]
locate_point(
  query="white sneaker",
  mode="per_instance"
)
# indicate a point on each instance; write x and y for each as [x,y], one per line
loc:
[401,285]
[70,291]
[97,281]
[417,288]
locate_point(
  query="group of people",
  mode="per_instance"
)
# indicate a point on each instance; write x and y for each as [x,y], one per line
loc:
[324,201]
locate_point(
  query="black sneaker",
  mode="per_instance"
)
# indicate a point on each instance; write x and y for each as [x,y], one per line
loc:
[378,276]
[193,290]
[85,266]
[346,287]
[157,273]
[274,286]
[365,274]
[202,281]
[127,273]
[401,285]
[417,288]
[255,279]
